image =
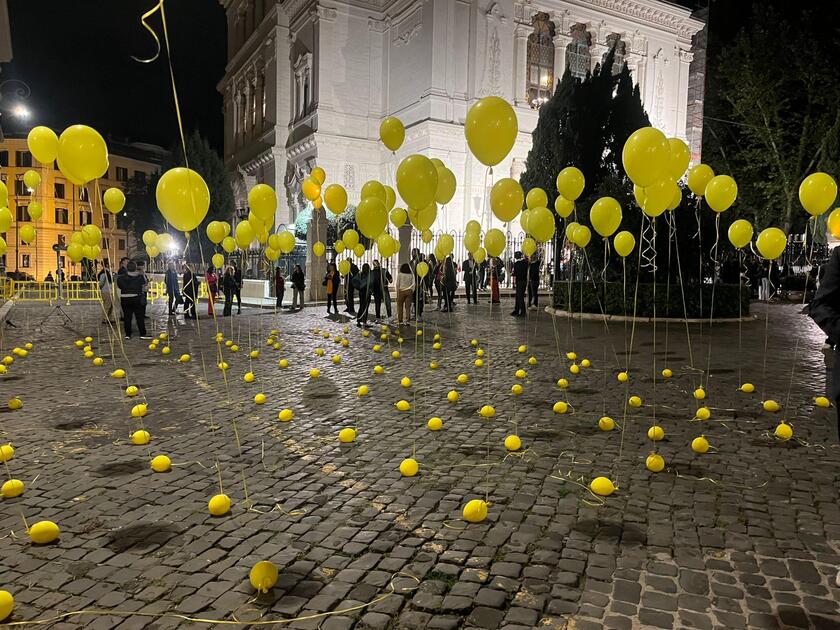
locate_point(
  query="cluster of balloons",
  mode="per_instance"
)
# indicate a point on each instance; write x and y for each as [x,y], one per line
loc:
[80,152]
[84,243]
[155,243]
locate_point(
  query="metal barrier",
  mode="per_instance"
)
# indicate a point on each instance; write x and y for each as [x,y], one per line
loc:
[76,291]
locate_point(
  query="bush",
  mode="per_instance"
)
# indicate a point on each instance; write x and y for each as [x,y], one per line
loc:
[611,300]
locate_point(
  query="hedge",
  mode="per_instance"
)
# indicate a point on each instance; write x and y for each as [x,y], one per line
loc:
[725,306]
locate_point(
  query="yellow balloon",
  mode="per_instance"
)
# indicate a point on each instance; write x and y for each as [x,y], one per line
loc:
[423,218]
[422,269]
[374,188]
[494,242]
[699,177]
[398,217]
[771,243]
[833,223]
[344,267]
[624,242]
[229,244]
[183,198]
[570,183]
[92,235]
[602,486]
[491,128]
[27,233]
[417,181]
[392,133]
[34,209]
[263,202]
[646,156]
[677,200]
[386,245]
[817,192]
[390,197]
[359,250]
[523,220]
[721,192]
[287,242]
[311,189]
[563,206]
[151,250]
[149,237]
[319,249]
[3,246]
[114,200]
[82,150]
[529,246]
[43,144]
[472,241]
[31,179]
[541,224]
[475,511]
[272,254]
[445,186]
[5,219]
[339,246]
[7,604]
[506,199]
[740,233]
[336,198]
[350,238]
[446,243]
[43,532]
[659,195]
[371,216]
[75,252]
[218,260]
[263,576]
[215,232]
[605,216]
[480,255]
[581,236]
[319,175]
[570,230]
[536,198]
[244,234]
[680,157]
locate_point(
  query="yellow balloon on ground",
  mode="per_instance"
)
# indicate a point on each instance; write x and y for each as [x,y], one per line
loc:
[183,198]
[602,486]
[219,505]
[263,202]
[656,433]
[721,192]
[263,576]
[409,467]
[494,242]
[83,151]
[345,436]
[536,198]
[783,431]
[513,443]
[817,192]
[771,243]
[435,424]
[655,462]
[699,177]
[624,243]
[605,216]
[475,511]
[606,424]
[392,133]
[570,183]
[646,156]
[417,181]
[9,490]
[740,233]
[161,463]
[141,437]
[43,144]
[43,532]
[700,445]
[7,452]
[491,128]
[7,604]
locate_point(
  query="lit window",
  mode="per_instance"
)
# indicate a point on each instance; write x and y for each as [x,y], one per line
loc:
[540,60]
[24,261]
[61,216]
[58,190]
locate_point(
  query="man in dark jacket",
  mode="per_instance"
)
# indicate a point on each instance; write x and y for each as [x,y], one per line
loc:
[132,286]
[470,278]
[350,289]
[520,277]
[825,311]
[237,289]
[173,291]
[534,280]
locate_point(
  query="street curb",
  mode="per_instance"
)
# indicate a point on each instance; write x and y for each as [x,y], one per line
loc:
[647,320]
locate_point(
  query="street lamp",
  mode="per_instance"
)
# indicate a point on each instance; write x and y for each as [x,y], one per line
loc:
[19,91]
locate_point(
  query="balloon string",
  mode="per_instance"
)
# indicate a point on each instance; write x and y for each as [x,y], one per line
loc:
[716,268]
[143,18]
[649,248]
[682,294]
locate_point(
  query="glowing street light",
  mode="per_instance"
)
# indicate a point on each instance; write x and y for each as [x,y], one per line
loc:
[21,111]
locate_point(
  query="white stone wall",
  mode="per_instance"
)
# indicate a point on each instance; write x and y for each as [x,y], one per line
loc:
[426,61]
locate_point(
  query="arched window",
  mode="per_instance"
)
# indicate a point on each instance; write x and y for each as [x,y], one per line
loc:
[614,42]
[578,58]
[540,60]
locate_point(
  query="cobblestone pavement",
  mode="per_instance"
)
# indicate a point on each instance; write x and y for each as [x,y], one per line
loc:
[742,536]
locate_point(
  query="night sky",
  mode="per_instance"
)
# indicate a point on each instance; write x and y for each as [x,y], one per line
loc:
[76,57]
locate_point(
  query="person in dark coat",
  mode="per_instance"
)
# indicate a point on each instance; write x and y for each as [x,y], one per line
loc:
[331,281]
[362,282]
[237,292]
[825,311]
[298,285]
[229,289]
[534,264]
[350,289]
[520,277]
[470,278]
[449,283]
[173,291]
[279,286]
[132,286]
[190,292]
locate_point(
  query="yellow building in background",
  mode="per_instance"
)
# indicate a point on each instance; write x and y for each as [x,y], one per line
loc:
[67,207]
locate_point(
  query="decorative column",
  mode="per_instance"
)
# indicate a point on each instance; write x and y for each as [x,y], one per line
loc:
[597,51]
[520,91]
[560,43]
[316,266]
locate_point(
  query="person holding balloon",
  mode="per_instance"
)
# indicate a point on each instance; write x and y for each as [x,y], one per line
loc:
[133,287]
[298,285]
[331,283]
[228,289]
[520,279]
[212,281]
[279,286]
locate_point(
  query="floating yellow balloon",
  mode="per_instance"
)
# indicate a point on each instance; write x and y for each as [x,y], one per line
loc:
[721,192]
[31,179]
[5,218]
[244,234]
[417,181]
[740,233]
[680,157]
[491,128]
[336,198]
[817,192]
[27,233]
[658,196]
[35,209]
[92,235]
[540,224]
[82,150]
[43,144]
[699,177]
[536,198]
[398,217]
[311,189]
[494,242]
[183,198]
[319,175]
[646,156]
[833,222]
[371,217]
[605,216]
[263,202]
[563,207]
[446,185]
[229,244]
[771,243]
[570,184]
[114,200]
[392,133]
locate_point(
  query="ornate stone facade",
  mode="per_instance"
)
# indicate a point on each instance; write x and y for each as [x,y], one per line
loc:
[308,81]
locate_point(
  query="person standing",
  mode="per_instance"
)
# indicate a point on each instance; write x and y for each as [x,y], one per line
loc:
[520,279]
[470,278]
[237,292]
[449,283]
[190,293]
[229,290]
[419,297]
[825,311]
[133,287]
[363,284]
[173,292]
[495,269]
[279,286]
[379,280]
[298,285]
[533,280]
[405,288]
[331,283]
[212,281]
[385,281]
[106,291]
[350,289]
